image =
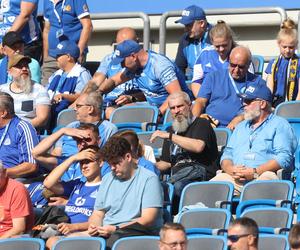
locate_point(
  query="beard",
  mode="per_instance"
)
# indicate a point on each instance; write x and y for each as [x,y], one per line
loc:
[251,115]
[24,83]
[181,123]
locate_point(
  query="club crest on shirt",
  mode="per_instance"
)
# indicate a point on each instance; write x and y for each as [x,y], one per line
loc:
[67,8]
[7,141]
[85,8]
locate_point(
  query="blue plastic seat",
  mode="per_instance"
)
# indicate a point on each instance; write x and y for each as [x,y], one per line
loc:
[22,243]
[80,243]
[137,242]
[205,242]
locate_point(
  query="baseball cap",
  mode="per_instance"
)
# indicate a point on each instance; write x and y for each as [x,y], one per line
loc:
[16,58]
[257,91]
[124,49]
[190,14]
[67,47]
[11,38]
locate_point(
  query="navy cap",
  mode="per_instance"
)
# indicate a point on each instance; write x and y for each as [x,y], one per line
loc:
[67,47]
[124,49]
[257,91]
[190,14]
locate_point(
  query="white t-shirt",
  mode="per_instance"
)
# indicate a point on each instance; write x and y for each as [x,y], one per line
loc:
[25,104]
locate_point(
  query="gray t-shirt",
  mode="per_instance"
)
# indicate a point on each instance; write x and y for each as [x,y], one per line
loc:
[123,201]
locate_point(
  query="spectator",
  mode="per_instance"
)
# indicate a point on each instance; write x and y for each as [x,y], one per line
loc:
[218,93]
[137,151]
[16,211]
[124,93]
[283,72]
[12,43]
[189,148]
[155,74]
[64,20]
[31,100]
[81,194]
[243,234]
[294,237]
[66,83]
[129,200]
[194,39]
[213,58]
[18,138]
[172,236]
[21,16]
[260,145]
[88,110]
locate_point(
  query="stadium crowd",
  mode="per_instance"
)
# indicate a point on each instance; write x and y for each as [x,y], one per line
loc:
[101,182]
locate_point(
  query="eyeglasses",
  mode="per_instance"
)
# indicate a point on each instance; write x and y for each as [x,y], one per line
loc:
[174,244]
[78,106]
[235,238]
[249,101]
[233,65]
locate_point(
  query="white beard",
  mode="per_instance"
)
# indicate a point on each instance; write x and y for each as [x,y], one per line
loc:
[24,83]
[181,125]
[252,114]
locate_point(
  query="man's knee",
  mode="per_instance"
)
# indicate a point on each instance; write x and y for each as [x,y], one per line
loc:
[268,175]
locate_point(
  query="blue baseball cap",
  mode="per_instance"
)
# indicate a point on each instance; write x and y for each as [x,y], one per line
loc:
[67,47]
[257,91]
[124,49]
[190,14]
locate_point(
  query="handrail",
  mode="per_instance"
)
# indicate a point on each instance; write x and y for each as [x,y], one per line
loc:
[117,15]
[166,15]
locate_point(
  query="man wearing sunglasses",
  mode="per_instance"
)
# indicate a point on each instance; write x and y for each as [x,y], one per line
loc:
[243,235]
[259,146]
[218,93]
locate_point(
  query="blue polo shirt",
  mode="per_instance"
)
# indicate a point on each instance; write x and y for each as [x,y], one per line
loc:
[11,9]
[158,72]
[223,103]
[208,61]
[109,70]
[17,139]
[64,16]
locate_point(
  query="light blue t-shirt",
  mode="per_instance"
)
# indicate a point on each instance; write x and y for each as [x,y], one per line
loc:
[158,72]
[123,201]
[109,70]
[208,61]
[221,91]
[273,139]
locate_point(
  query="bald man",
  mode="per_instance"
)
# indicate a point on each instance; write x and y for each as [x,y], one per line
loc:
[218,95]
[127,92]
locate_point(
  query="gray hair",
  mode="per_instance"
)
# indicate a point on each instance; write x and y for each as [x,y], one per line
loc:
[7,103]
[94,99]
[180,94]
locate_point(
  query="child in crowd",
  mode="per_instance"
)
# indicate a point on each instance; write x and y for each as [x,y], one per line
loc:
[81,194]
[214,57]
[283,71]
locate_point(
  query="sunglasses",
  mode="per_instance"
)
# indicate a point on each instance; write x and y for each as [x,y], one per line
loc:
[249,101]
[235,238]
[233,65]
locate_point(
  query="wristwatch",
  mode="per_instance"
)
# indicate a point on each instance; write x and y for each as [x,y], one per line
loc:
[255,174]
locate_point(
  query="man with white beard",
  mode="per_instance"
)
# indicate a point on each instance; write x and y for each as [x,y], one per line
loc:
[31,100]
[260,145]
[190,147]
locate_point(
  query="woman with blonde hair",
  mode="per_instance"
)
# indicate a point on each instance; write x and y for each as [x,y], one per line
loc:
[283,71]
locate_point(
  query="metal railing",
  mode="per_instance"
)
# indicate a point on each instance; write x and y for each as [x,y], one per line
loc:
[117,15]
[166,15]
